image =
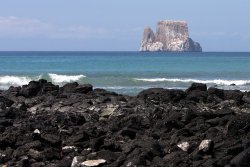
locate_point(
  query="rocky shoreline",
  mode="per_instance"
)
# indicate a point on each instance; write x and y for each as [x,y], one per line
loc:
[42,124]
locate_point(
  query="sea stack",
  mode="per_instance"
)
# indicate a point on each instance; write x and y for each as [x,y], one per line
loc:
[170,36]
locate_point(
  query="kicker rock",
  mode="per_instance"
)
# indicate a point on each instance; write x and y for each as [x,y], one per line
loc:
[170,36]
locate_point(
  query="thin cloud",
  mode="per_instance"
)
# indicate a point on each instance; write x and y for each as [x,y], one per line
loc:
[24,27]
[79,32]
[18,27]
[221,34]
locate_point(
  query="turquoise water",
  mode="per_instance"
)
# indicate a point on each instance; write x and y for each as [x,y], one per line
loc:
[127,72]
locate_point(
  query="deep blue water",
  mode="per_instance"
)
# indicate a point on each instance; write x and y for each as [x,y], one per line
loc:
[127,72]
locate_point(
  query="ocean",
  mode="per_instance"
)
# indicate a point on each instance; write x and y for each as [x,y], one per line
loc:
[127,72]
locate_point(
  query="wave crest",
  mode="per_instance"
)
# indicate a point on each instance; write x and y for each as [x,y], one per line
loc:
[7,81]
[214,81]
[56,78]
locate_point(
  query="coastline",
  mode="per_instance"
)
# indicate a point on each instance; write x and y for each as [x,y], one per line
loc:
[42,124]
[127,73]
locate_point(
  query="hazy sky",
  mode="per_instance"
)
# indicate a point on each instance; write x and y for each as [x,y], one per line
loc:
[117,25]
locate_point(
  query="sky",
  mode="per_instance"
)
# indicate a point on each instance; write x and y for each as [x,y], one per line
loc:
[117,25]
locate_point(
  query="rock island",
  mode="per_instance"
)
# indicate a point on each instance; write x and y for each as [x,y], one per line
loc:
[170,36]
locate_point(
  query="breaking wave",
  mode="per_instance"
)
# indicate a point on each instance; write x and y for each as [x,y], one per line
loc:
[56,78]
[214,81]
[8,80]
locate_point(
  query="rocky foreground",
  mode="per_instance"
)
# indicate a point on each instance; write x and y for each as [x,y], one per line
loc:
[46,125]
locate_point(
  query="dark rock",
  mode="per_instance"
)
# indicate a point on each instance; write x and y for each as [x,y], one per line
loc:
[109,156]
[246,98]
[36,155]
[224,161]
[173,95]
[65,162]
[214,121]
[233,126]
[216,92]
[162,95]
[31,89]
[187,115]
[242,159]
[51,138]
[96,143]
[6,122]
[34,144]
[38,164]
[235,95]
[83,88]
[69,87]
[78,138]
[197,92]
[20,106]
[234,150]
[24,161]
[5,102]
[146,93]
[197,96]
[223,112]
[49,87]
[131,133]
[12,91]
[54,125]
[52,154]
[197,87]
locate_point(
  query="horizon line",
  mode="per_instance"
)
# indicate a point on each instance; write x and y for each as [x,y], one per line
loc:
[117,51]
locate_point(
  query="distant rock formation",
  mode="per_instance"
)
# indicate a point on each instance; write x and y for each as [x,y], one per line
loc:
[170,36]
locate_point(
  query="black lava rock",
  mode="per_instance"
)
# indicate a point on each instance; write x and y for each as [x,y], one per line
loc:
[42,124]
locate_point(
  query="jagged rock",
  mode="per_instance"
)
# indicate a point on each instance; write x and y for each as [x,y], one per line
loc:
[93,162]
[246,98]
[77,161]
[34,144]
[67,149]
[158,127]
[85,88]
[206,145]
[51,138]
[36,131]
[242,159]
[49,87]
[235,95]
[215,92]
[170,36]
[108,111]
[31,89]
[69,87]
[197,92]
[197,86]
[184,146]
[4,102]
[35,154]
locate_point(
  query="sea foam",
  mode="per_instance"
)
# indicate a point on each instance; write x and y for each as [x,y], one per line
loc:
[56,78]
[214,81]
[7,81]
